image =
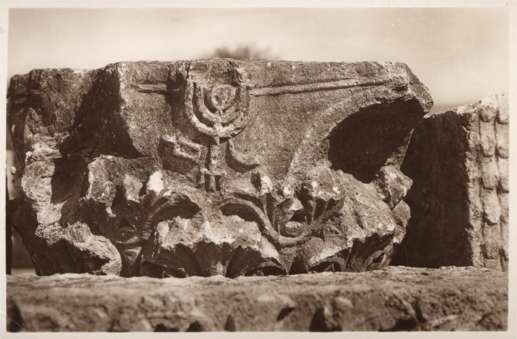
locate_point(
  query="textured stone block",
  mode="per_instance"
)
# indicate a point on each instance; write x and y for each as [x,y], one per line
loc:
[459,166]
[214,166]
[390,299]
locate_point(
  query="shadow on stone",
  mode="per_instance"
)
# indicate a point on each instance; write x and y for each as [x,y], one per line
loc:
[362,143]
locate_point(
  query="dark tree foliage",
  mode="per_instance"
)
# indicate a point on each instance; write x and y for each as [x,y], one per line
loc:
[245,52]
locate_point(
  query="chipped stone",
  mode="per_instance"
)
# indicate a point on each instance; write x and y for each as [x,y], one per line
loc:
[487,139]
[491,208]
[503,167]
[487,108]
[132,187]
[341,301]
[218,167]
[489,173]
[502,141]
[502,113]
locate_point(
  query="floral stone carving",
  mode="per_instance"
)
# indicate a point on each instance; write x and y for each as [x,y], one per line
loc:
[213,167]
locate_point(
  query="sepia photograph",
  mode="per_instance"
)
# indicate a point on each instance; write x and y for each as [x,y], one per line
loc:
[256,169]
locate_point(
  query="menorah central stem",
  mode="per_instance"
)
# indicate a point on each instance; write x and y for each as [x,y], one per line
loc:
[212,175]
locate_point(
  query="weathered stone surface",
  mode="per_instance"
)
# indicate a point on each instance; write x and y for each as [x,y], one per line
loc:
[459,198]
[214,166]
[393,298]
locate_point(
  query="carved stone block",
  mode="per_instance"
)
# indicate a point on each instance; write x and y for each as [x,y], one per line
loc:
[214,166]
[459,198]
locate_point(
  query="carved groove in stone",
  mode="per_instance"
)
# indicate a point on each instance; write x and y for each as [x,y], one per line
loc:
[318,86]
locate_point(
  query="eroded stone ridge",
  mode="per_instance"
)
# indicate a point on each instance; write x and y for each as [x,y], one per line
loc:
[459,200]
[390,299]
[214,166]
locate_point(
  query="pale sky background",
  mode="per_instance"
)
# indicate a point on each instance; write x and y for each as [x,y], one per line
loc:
[460,54]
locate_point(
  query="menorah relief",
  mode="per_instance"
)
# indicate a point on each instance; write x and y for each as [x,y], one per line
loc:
[219,114]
